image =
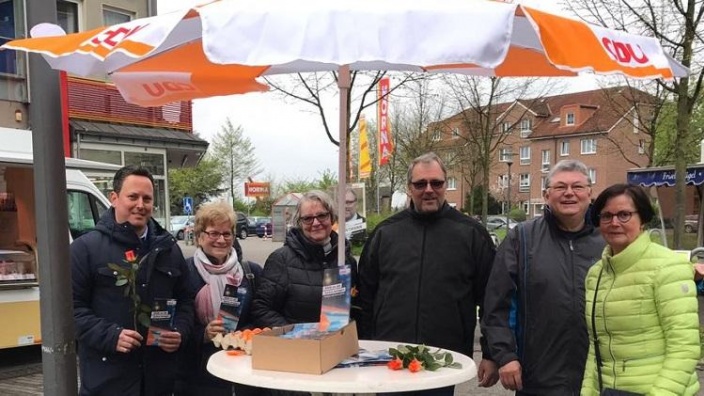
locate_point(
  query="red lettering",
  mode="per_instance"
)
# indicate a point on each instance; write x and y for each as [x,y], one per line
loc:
[111,38]
[624,52]
[159,89]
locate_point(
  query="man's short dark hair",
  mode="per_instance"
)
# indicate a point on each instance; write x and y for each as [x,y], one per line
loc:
[129,170]
[640,200]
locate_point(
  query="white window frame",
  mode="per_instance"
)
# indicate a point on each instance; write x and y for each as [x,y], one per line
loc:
[526,127]
[505,154]
[79,13]
[543,183]
[456,133]
[437,135]
[503,181]
[505,126]
[592,175]
[117,11]
[524,182]
[564,148]
[451,183]
[524,153]
[588,146]
[569,119]
[545,161]
[641,146]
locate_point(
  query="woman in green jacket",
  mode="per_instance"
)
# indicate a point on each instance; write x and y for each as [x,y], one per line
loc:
[644,321]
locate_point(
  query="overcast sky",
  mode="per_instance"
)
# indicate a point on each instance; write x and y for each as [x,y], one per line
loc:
[289,138]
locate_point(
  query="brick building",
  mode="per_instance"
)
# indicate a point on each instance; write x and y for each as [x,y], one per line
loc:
[601,128]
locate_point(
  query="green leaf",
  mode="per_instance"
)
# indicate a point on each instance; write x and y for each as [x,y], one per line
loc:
[120,270]
[145,308]
[455,365]
[144,319]
[448,358]
[432,366]
[135,266]
[121,282]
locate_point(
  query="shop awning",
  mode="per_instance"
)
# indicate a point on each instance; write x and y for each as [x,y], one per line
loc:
[664,176]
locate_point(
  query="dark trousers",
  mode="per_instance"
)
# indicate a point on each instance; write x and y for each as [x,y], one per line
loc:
[446,391]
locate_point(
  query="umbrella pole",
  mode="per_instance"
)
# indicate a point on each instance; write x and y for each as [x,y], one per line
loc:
[343,83]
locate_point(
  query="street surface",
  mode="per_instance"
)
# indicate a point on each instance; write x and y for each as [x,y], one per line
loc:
[20,368]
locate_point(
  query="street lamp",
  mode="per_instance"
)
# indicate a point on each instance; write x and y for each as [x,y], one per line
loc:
[509,162]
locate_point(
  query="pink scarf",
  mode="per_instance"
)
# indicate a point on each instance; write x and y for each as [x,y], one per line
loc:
[216,277]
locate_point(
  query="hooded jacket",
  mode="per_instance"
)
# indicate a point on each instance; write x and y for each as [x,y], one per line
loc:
[291,286]
[646,320]
[534,304]
[422,277]
[102,309]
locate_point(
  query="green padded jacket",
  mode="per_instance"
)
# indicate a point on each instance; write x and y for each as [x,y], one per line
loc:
[646,321]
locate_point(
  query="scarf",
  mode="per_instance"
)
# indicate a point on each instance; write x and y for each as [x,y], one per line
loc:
[215,277]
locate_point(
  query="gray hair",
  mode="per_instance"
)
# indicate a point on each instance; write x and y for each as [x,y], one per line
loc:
[319,196]
[426,158]
[568,166]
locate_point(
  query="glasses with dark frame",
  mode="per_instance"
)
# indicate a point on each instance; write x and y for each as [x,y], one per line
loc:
[322,218]
[215,235]
[423,184]
[623,216]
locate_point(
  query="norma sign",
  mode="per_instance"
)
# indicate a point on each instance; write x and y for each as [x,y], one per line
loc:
[254,189]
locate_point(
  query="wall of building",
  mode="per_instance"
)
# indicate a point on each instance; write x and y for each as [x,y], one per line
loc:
[93,10]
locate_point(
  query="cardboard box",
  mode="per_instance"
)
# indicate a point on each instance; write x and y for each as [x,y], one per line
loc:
[271,352]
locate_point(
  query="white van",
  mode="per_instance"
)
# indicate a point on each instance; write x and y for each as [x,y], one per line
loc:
[19,264]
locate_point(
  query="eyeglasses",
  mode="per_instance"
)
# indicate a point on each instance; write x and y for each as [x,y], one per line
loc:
[576,188]
[350,202]
[423,184]
[622,216]
[322,218]
[215,235]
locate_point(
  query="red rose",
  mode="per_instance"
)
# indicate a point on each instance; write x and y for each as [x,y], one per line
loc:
[129,255]
[415,366]
[396,364]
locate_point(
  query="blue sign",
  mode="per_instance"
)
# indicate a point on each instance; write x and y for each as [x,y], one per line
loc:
[188,205]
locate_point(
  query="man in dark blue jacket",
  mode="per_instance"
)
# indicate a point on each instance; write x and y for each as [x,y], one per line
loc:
[117,270]
[423,271]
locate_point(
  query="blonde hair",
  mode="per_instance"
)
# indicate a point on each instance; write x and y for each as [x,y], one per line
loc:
[213,213]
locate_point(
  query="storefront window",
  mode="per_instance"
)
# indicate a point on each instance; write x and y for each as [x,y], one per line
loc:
[153,162]
[107,156]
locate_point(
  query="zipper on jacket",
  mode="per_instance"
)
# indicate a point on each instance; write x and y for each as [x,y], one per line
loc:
[420,281]
[603,312]
[571,246]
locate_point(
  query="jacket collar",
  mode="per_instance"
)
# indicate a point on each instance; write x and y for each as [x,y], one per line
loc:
[429,217]
[552,221]
[629,256]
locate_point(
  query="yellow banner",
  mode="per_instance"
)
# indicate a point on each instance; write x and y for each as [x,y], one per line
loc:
[365,163]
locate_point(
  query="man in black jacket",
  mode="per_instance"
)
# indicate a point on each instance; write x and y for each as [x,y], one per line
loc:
[534,304]
[423,271]
[119,268]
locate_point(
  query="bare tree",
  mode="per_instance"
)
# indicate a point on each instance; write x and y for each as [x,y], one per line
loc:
[315,89]
[489,110]
[235,153]
[677,24]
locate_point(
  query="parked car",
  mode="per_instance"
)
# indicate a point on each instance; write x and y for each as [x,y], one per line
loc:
[254,221]
[179,224]
[691,223]
[264,226]
[498,222]
[242,229]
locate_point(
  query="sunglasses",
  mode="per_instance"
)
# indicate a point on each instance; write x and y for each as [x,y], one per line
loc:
[423,184]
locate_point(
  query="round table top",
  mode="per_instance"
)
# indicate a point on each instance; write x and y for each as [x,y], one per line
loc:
[372,379]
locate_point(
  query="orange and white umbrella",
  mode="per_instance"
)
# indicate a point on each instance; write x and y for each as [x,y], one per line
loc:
[221,47]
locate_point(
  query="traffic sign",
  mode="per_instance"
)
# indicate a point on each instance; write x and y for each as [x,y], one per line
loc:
[188,205]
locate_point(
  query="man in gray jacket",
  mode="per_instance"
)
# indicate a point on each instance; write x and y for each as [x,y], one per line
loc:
[534,304]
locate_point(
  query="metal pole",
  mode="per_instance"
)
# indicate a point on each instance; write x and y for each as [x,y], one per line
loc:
[343,82]
[508,196]
[58,345]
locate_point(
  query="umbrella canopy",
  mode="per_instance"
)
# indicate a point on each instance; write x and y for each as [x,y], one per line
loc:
[221,47]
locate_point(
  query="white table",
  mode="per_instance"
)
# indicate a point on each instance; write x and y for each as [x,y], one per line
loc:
[373,379]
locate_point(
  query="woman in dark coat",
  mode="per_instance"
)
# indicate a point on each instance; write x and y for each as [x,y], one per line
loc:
[214,265]
[290,290]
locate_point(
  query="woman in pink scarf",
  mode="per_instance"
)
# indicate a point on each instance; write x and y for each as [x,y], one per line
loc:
[214,264]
